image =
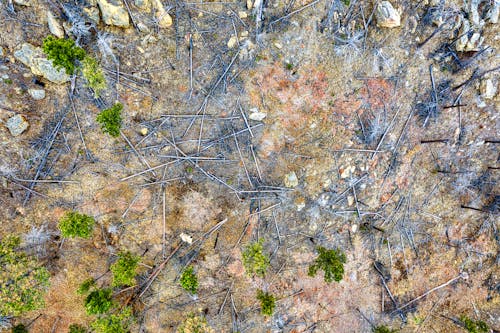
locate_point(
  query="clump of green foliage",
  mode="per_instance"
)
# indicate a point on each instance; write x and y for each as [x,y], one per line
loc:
[331,262]
[114,322]
[63,53]
[22,281]
[94,75]
[195,324]
[98,301]
[124,269]
[382,329]
[267,302]
[189,281]
[74,224]
[85,286]
[254,260]
[473,326]
[20,328]
[111,120]
[75,328]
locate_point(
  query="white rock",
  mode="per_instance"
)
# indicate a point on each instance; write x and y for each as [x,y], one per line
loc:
[256,115]
[54,26]
[494,12]
[186,238]
[22,2]
[242,15]
[350,200]
[113,13]
[144,131]
[17,124]
[232,42]
[37,94]
[354,228]
[387,16]
[488,89]
[35,59]
[347,171]
[291,180]
[249,4]
[474,42]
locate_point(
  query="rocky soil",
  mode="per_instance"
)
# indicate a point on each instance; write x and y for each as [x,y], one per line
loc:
[367,126]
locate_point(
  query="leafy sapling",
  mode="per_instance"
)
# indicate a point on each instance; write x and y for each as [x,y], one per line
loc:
[75,328]
[124,269]
[94,75]
[63,53]
[20,328]
[116,322]
[267,302]
[254,260]
[474,326]
[189,281]
[99,301]
[331,262]
[74,224]
[382,329]
[85,286]
[111,120]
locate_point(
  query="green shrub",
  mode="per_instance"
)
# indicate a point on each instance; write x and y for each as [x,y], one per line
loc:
[63,53]
[74,224]
[20,328]
[111,120]
[75,328]
[472,326]
[195,324]
[22,282]
[267,303]
[189,281]
[98,301]
[254,261]
[94,75]
[113,323]
[85,286]
[124,269]
[331,262]
[383,329]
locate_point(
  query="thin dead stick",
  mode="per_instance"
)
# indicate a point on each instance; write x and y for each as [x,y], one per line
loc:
[131,204]
[148,170]
[164,218]
[242,160]
[225,298]
[255,159]
[294,12]
[385,133]
[245,119]
[46,181]
[143,160]
[263,210]
[130,14]
[460,276]
[157,271]
[214,141]
[78,124]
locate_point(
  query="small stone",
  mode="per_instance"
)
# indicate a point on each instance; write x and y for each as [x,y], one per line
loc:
[54,26]
[300,203]
[113,13]
[354,228]
[494,12]
[256,115]
[2,52]
[387,16]
[488,89]
[350,200]
[242,15]
[291,180]
[278,45]
[164,19]
[93,14]
[347,172]
[232,42]
[144,131]
[142,4]
[474,42]
[35,59]
[37,94]
[142,27]
[17,125]
[249,4]
[186,238]
[244,33]
[22,2]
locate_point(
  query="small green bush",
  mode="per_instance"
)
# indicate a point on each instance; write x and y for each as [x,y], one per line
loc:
[74,224]
[75,328]
[189,281]
[94,75]
[99,301]
[63,53]
[383,329]
[22,281]
[111,120]
[85,286]
[472,326]
[124,269]
[114,323]
[267,303]
[254,260]
[20,328]
[331,262]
